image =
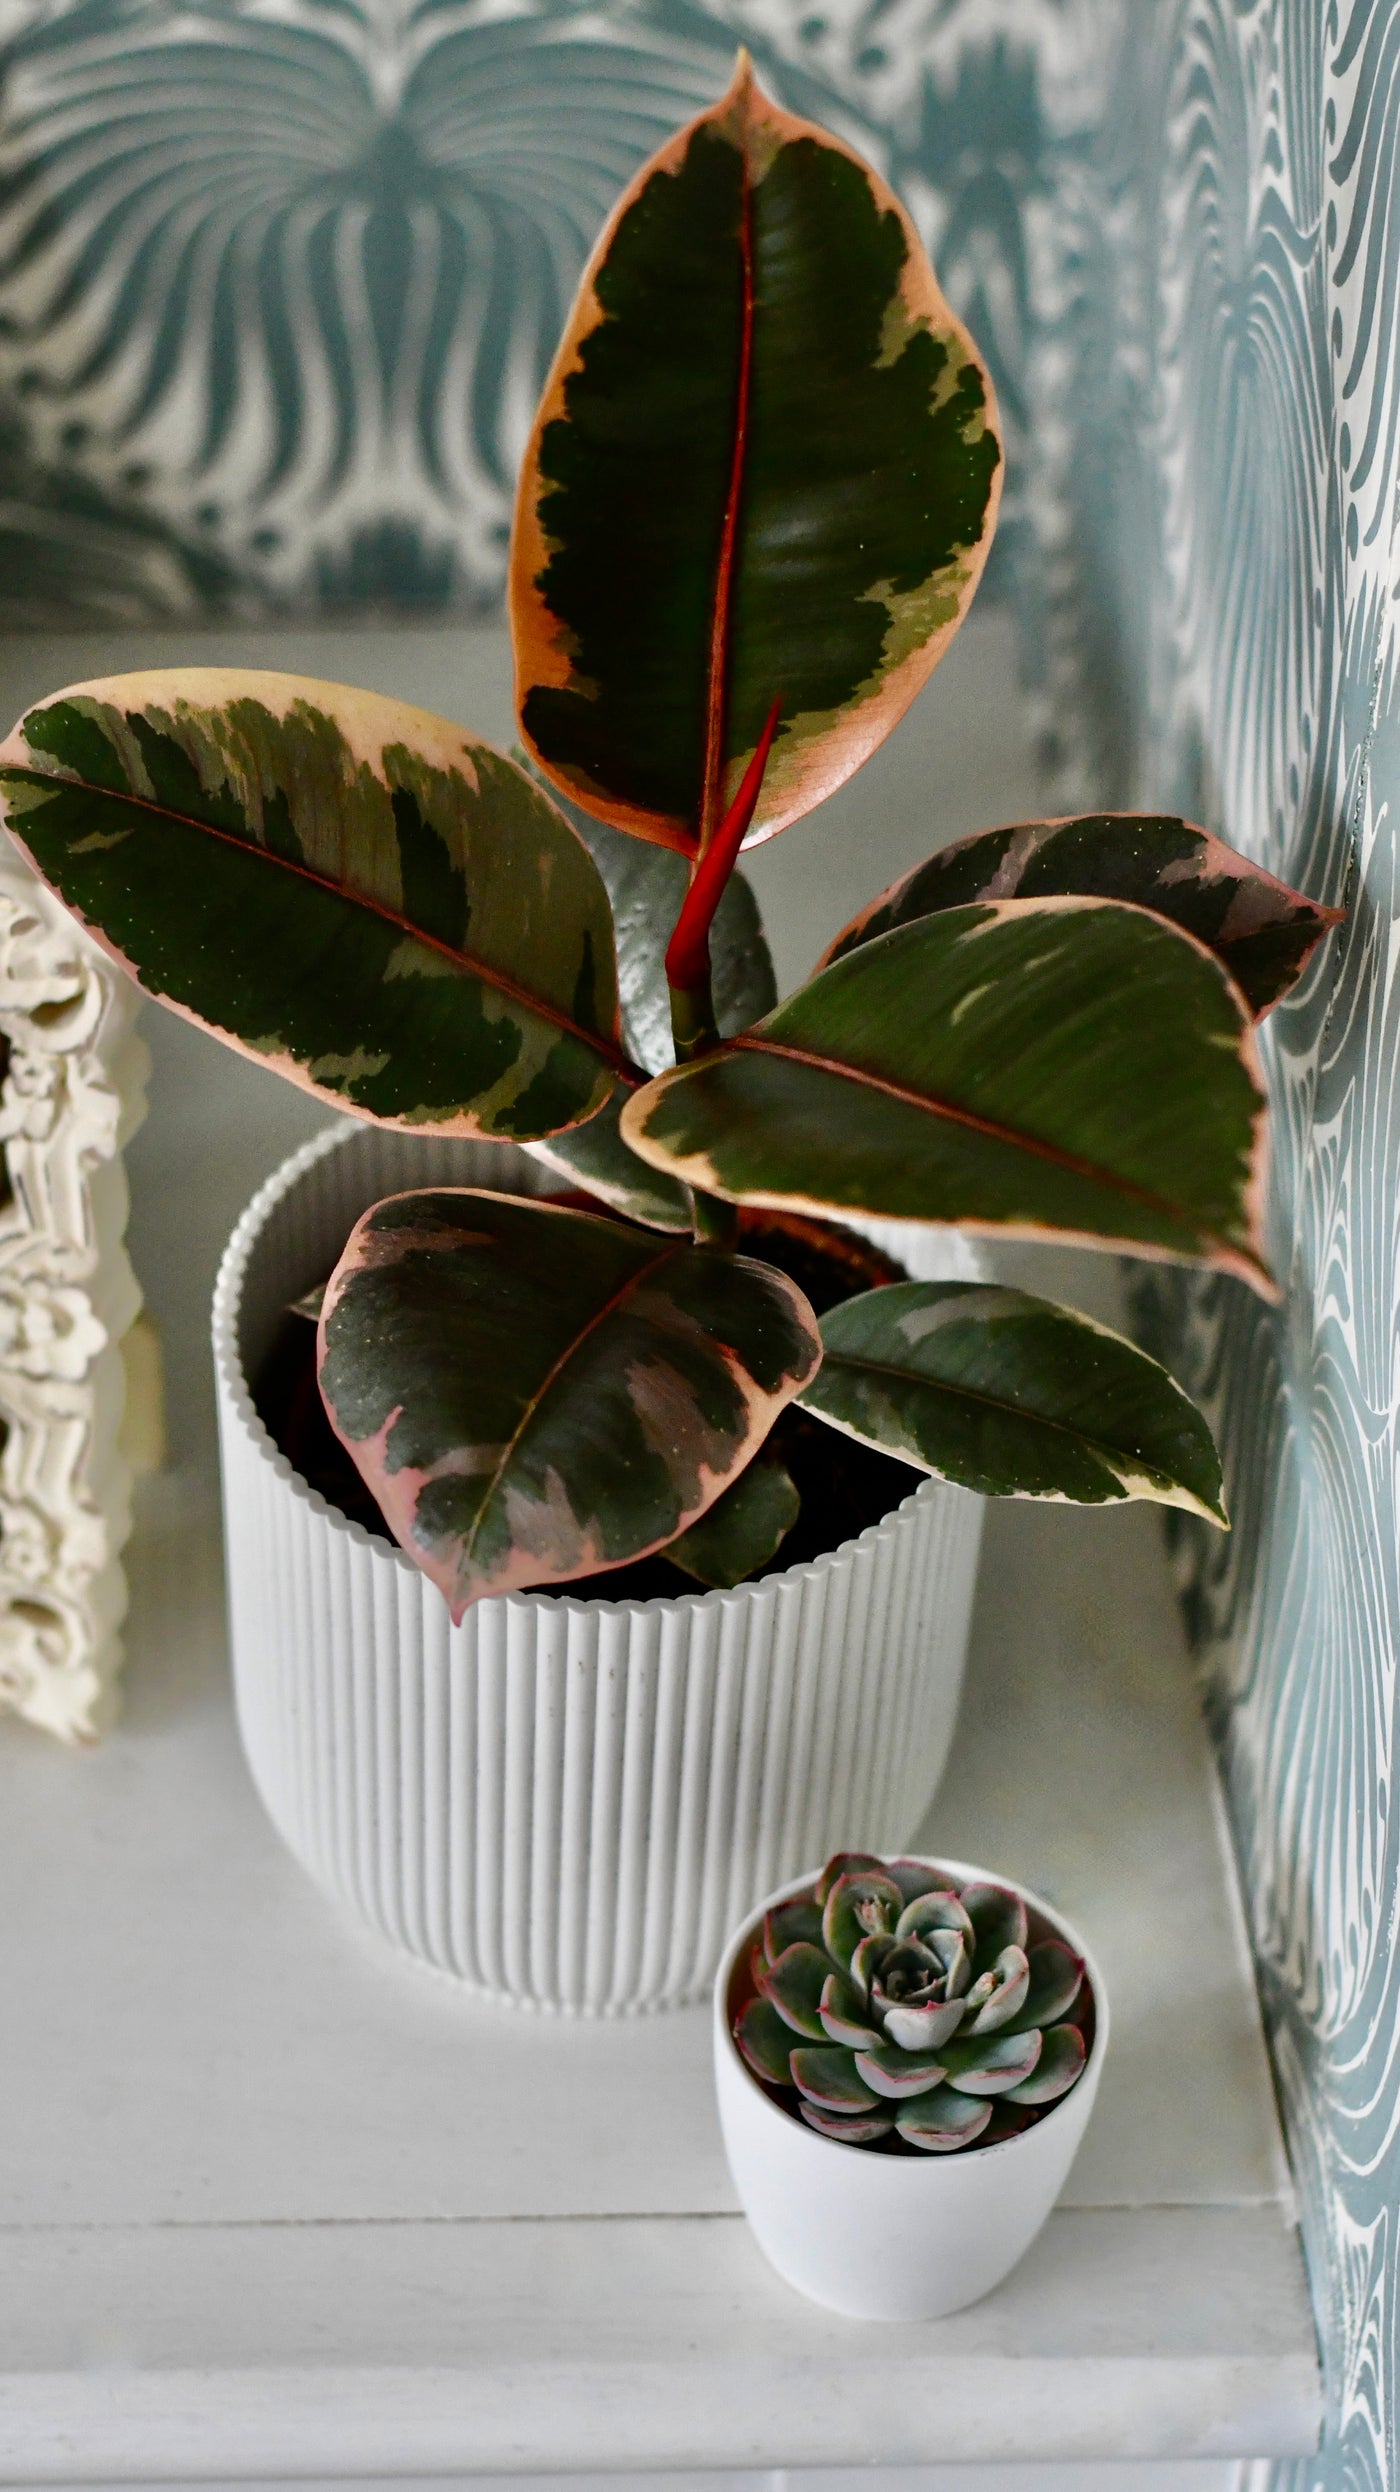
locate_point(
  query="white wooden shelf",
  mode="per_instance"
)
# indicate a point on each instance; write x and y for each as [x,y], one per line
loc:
[275,2206]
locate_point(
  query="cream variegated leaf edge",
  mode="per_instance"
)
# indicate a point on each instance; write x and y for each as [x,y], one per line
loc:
[74,1092]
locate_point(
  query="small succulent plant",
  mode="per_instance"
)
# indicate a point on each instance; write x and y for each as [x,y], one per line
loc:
[897,2005]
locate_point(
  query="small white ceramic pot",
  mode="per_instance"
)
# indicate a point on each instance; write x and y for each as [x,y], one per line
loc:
[563,1802]
[886,2236]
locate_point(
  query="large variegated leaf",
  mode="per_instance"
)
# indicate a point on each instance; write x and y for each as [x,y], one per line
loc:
[646,886]
[764,467]
[1262,931]
[1012,1396]
[384,909]
[533,1394]
[1029,1067]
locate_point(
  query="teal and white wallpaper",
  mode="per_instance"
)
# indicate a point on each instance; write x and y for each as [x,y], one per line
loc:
[1259,142]
[278,281]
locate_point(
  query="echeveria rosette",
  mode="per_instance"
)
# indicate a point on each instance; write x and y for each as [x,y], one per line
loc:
[899,2005]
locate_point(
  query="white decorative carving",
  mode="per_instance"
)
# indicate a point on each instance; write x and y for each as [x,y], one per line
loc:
[74,1090]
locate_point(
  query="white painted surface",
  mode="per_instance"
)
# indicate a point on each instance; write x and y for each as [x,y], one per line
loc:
[273,2205]
[273,2202]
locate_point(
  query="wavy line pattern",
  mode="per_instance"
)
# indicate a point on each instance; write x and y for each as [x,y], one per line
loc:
[279,282]
[1266,137]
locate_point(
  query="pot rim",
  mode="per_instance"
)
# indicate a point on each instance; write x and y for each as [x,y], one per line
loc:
[965,1872]
[227,1310]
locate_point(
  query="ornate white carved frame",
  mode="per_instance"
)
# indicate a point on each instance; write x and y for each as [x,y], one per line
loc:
[74,1090]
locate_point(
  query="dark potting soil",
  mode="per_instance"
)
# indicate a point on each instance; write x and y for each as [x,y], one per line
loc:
[844,1486]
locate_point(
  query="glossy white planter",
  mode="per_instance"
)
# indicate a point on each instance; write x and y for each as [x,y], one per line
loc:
[564,1802]
[879,2236]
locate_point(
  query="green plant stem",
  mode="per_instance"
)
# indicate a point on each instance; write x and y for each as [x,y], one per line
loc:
[693,1026]
[694,1030]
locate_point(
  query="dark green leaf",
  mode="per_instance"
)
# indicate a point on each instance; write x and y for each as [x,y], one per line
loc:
[355,893]
[794,1986]
[1057,1975]
[533,1394]
[1028,1067]
[844,2014]
[1012,1396]
[827,2076]
[765,2042]
[845,1865]
[797,1919]
[743,1529]
[764,466]
[1261,930]
[998,1919]
[863,1903]
[595,1157]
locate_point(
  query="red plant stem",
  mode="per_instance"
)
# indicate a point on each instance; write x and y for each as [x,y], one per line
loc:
[717,688]
[688,952]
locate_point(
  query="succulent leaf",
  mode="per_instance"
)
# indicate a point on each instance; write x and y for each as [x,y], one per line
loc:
[938,1910]
[867,1960]
[942,2121]
[765,2042]
[1061,2059]
[864,1903]
[855,2128]
[1056,1974]
[794,1984]
[994,2062]
[998,1918]
[923,2028]
[845,2015]
[846,1865]
[916,1877]
[796,1919]
[896,2072]
[998,1994]
[828,2078]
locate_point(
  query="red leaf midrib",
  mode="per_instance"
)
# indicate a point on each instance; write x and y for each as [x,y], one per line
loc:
[717,686]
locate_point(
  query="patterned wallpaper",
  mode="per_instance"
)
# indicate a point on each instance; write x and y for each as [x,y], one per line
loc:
[1257,151]
[278,280]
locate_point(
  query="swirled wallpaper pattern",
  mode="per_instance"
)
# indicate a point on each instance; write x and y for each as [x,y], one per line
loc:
[280,279]
[1263,138]
[278,282]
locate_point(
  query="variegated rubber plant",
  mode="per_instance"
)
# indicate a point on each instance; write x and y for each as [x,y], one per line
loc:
[755,505]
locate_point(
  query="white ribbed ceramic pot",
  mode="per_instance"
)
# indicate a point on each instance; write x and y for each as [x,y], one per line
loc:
[567,1803]
[881,2236]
